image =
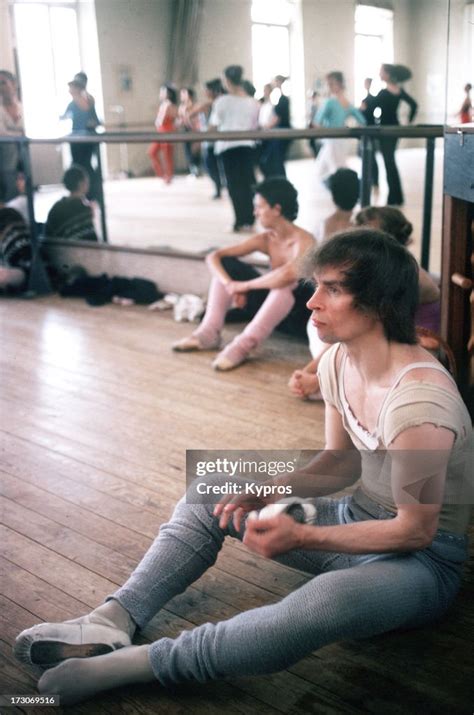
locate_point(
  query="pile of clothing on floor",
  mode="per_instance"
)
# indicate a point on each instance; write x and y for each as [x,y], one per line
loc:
[99,290]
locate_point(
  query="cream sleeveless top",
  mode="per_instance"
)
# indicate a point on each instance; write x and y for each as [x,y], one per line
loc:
[405,406]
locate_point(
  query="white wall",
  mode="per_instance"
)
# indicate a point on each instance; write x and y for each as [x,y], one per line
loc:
[428,61]
[6,38]
[134,37]
[328,38]
[226,37]
[461,56]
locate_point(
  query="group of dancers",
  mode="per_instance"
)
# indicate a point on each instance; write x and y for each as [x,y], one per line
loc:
[230,105]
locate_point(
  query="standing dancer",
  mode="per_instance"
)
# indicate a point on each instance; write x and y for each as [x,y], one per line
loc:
[236,111]
[333,114]
[161,153]
[388,99]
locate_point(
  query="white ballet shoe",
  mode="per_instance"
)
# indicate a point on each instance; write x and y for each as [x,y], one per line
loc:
[301,510]
[47,644]
[222,363]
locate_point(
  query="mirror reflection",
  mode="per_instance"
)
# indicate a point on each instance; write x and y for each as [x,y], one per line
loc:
[112,66]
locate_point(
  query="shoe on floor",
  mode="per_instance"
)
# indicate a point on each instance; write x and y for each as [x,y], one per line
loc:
[47,644]
[192,343]
[224,364]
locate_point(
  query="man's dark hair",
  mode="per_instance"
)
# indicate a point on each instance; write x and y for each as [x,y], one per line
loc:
[234,74]
[278,190]
[381,275]
[344,186]
[215,86]
[74,176]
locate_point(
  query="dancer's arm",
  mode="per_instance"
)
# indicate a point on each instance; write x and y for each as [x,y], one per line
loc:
[244,248]
[417,485]
[199,107]
[411,103]
[323,113]
[277,278]
[281,276]
[333,469]
[357,114]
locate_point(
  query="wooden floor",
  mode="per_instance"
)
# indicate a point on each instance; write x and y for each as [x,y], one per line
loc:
[97,413]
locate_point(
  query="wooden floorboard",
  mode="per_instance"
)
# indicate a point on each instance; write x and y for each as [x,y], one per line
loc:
[97,413]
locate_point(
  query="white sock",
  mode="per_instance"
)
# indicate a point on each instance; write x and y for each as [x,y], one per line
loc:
[80,678]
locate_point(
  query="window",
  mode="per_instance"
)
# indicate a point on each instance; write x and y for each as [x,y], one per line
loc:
[373,46]
[48,57]
[270,40]
[277,48]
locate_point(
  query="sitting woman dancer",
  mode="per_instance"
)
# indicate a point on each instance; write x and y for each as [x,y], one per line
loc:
[392,220]
[266,300]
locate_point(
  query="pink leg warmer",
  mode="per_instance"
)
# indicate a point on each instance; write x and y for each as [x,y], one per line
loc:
[218,303]
[277,305]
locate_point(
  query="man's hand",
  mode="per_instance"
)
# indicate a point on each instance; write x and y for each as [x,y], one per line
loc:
[234,507]
[277,535]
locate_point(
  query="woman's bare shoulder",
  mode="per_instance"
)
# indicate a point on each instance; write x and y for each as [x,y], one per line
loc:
[304,238]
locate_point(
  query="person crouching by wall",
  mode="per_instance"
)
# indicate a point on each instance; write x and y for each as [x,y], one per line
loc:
[15,251]
[72,217]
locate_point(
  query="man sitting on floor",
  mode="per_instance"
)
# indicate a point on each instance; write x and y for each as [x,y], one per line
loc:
[72,217]
[389,556]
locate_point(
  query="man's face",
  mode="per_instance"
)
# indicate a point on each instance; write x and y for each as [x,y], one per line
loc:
[265,214]
[333,312]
